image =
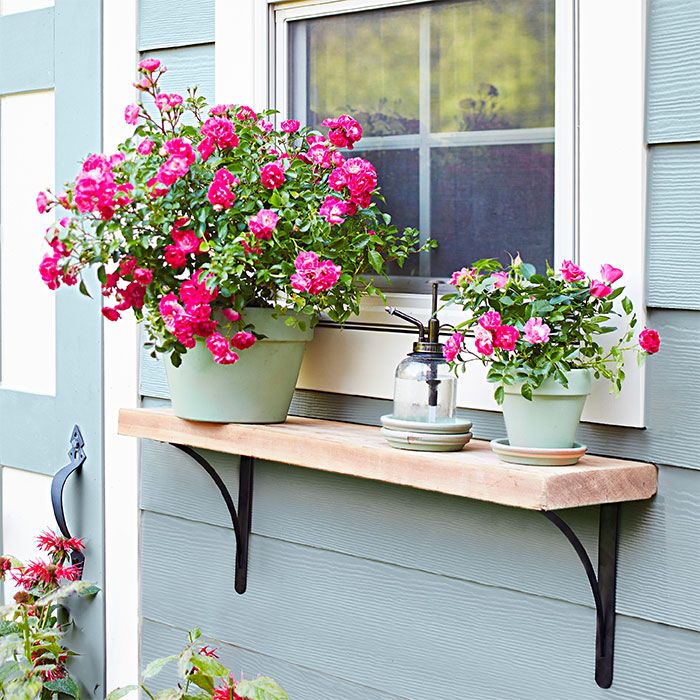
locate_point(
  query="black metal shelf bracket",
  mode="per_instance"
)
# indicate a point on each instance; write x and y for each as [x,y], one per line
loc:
[603,585]
[77,457]
[241,516]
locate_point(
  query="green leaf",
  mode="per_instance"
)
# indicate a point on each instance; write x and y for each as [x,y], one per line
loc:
[156,666]
[376,261]
[66,685]
[262,688]
[526,391]
[627,305]
[83,289]
[499,394]
[209,666]
[120,693]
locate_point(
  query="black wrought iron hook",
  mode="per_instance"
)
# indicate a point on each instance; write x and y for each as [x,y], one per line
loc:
[77,457]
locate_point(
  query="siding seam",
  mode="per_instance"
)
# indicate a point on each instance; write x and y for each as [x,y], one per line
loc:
[449,577]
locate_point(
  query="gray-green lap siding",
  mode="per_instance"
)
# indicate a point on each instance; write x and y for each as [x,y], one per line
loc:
[360,590]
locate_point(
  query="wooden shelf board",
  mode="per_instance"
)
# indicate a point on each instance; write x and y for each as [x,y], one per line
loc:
[360,451]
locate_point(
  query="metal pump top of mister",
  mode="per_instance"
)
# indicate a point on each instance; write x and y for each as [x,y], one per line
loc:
[425,394]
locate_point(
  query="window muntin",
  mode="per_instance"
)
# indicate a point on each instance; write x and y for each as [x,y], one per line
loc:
[457,101]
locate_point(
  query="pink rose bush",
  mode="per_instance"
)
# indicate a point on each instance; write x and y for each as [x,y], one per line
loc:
[207,211]
[528,327]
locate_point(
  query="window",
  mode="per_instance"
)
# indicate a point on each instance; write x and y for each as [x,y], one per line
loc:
[457,103]
[586,148]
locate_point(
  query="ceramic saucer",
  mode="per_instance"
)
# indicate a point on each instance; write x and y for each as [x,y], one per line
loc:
[454,425]
[538,456]
[425,442]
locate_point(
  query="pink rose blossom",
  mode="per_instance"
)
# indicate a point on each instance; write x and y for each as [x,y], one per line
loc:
[111,314]
[265,125]
[490,320]
[143,276]
[599,289]
[145,147]
[344,131]
[231,315]
[610,274]
[222,130]
[500,279]
[219,193]
[166,103]
[246,112]
[649,341]
[219,110]
[505,337]
[484,341]
[186,240]
[463,276]
[206,147]
[41,202]
[263,224]
[243,340]
[337,179]
[48,269]
[362,180]
[174,256]
[536,331]
[312,275]
[289,126]
[149,65]
[571,272]
[333,210]
[453,346]
[220,349]
[131,114]
[272,176]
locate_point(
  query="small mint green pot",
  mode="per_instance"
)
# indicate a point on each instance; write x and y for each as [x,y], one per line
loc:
[256,389]
[551,418]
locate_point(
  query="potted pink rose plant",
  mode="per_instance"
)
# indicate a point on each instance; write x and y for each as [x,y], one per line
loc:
[539,335]
[227,237]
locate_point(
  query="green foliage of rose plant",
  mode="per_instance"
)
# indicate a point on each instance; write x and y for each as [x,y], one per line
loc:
[34,658]
[204,212]
[202,677]
[529,327]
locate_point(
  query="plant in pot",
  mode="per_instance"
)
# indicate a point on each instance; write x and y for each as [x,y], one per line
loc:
[540,337]
[227,237]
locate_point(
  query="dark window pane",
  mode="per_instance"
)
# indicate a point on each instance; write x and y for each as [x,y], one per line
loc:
[398,179]
[491,201]
[492,65]
[364,64]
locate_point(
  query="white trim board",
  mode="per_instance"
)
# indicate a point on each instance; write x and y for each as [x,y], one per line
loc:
[121,356]
[600,182]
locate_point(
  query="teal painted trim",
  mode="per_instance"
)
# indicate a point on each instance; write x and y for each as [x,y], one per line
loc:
[673,71]
[187,66]
[164,24]
[389,627]
[459,538]
[27,51]
[674,226]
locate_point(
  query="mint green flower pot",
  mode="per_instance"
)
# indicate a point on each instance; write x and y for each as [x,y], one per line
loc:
[256,389]
[551,418]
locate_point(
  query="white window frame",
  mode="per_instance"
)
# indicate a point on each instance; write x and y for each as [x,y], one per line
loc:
[600,176]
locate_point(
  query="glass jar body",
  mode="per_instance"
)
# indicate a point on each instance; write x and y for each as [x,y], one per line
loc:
[424,389]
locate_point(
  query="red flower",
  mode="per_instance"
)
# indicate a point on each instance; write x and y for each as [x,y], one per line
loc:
[649,341]
[226,692]
[207,651]
[49,541]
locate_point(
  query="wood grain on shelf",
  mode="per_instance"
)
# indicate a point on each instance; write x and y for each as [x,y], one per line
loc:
[360,451]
